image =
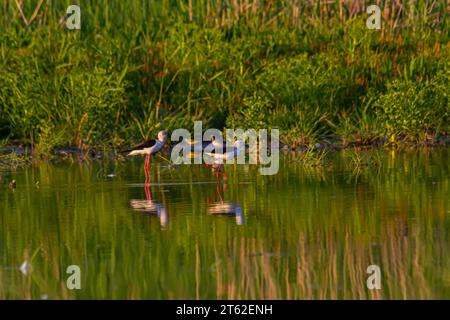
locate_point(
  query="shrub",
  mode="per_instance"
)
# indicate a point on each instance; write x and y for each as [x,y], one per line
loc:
[410,109]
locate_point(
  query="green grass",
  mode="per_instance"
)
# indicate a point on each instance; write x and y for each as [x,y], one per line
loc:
[136,67]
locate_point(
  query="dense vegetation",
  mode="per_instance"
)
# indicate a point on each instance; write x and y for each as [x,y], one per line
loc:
[312,69]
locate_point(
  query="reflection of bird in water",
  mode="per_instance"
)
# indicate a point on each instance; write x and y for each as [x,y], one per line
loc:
[148,148]
[150,207]
[219,207]
[229,209]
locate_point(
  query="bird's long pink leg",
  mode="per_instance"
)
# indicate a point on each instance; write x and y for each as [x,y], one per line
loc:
[217,175]
[218,188]
[146,162]
[146,168]
[220,170]
[149,162]
[224,175]
[219,193]
[148,194]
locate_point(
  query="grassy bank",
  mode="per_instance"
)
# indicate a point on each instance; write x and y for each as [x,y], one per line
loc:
[312,69]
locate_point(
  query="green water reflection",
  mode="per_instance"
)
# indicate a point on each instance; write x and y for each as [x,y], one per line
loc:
[305,233]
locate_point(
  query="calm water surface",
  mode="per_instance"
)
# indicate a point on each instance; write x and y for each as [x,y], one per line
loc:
[305,233]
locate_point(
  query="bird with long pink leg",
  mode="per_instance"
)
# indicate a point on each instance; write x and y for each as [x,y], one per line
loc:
[225,154]
[148,148]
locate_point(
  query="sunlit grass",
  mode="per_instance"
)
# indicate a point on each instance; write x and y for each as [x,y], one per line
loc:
[311,68]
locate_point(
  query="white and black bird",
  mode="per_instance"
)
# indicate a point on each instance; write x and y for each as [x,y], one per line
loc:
[199,146]
[219,144]
[148,148]
[222,152]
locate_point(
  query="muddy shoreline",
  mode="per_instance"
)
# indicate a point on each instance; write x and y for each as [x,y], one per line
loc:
[20,154]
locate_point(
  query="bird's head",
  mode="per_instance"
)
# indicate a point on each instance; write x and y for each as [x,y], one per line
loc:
[162,136]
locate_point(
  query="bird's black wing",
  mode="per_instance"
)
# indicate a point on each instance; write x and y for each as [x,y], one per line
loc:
[143,145]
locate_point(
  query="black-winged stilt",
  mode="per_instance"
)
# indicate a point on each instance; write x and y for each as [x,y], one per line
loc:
[148,148]
[199,146]
[224,154]
[224,146]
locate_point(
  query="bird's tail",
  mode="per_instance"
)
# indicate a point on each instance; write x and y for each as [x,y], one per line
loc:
[129,152]
[136,153]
